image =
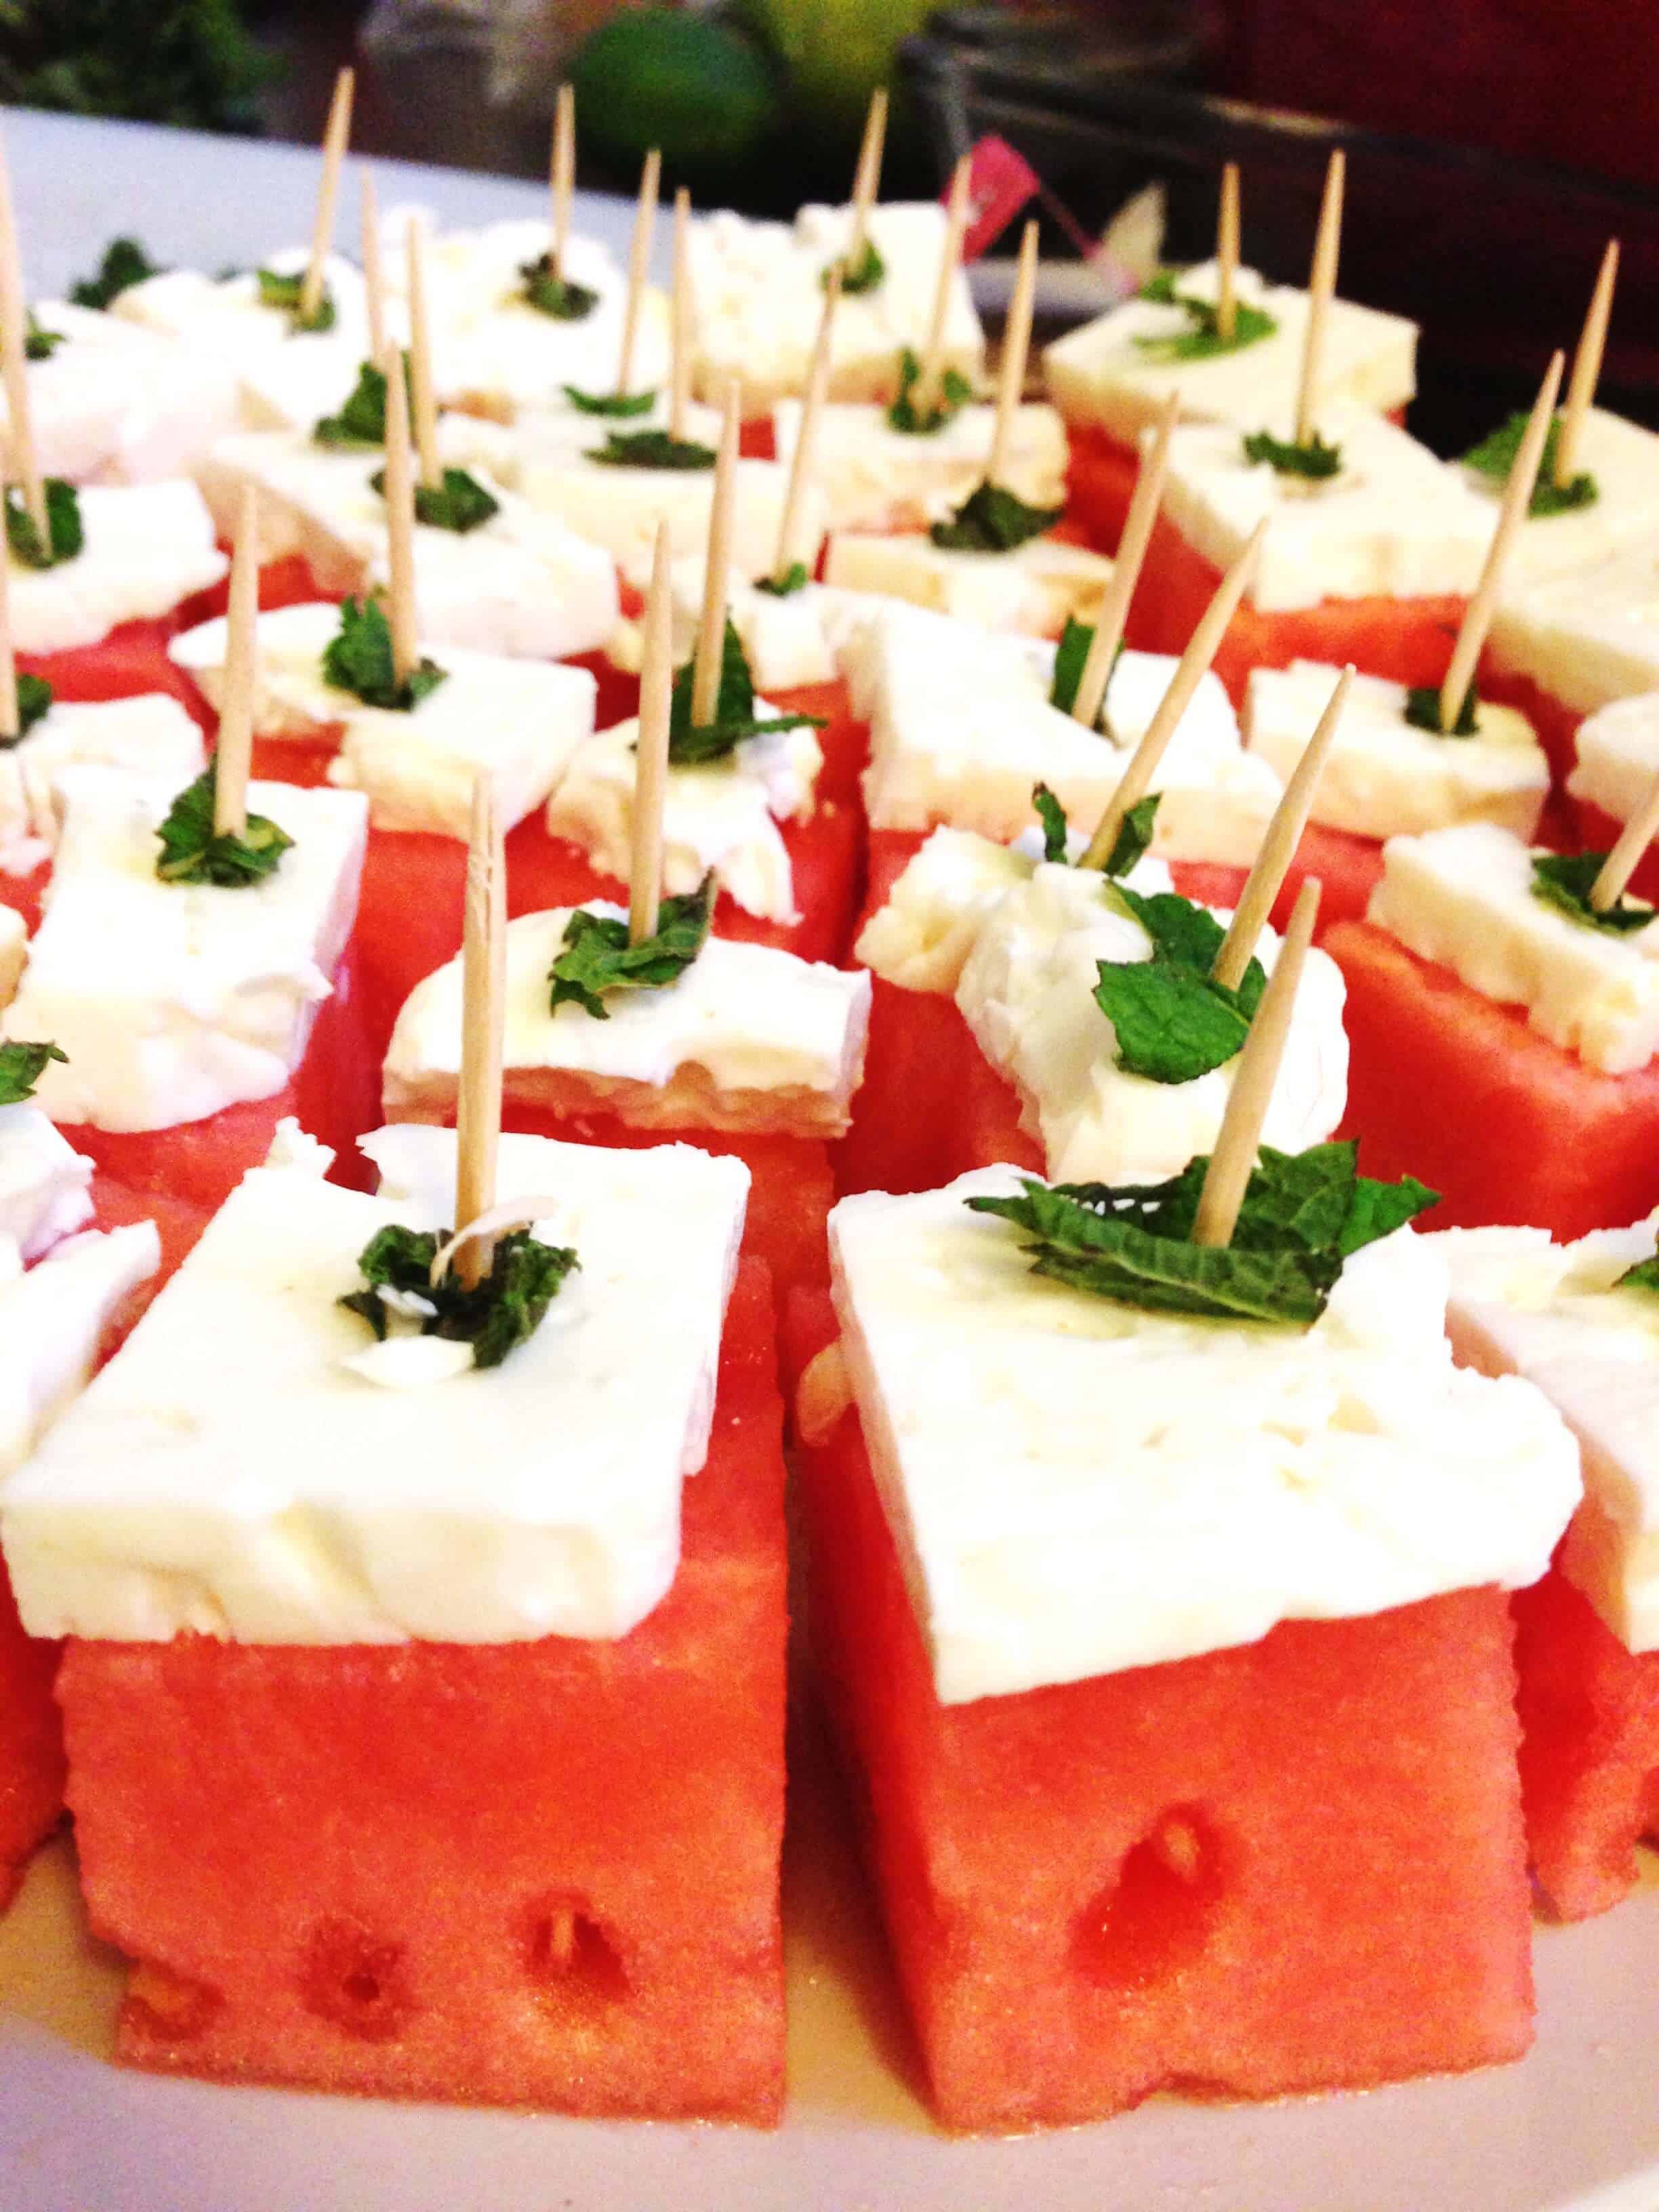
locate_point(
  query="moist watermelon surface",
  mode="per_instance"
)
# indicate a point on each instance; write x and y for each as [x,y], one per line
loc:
[1448,1086]
[845,739]
[1100,481]
[1295,1865]
[129,661]
[540,1874]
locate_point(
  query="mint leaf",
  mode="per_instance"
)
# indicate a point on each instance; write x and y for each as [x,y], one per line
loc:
[33,704]
[621,405]
[359,658]
[280,291]
[1183,931]
[1172,1021]
[125,263]
[40,344]
[555,296]
[361,418]
[1495,456]
[693,745]
[650,449]
[1423,712]
[1314,461]
[1564,880]
[192,852]
[21,1066]
[794,578]
[459,503]
[1203,339]
[1134,834]
[1160,287]
[860,275]
[954,393]
[1070,655]
[1052,814]
[1644,1276]
[63,530]
[992,520]
[598,958]
[501,1312]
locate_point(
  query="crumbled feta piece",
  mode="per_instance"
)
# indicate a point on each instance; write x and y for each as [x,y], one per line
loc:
[147,547]
[151,734]
[116,404]
[1617,755]
[175,999]
[1383,777]
[876,478]
[44,1182]
[1623,459]
[1584,639]
[270,1495]
[1463,897]
[291,1146]
[788,642]
[920,938]
[1033,589]
[52,1320]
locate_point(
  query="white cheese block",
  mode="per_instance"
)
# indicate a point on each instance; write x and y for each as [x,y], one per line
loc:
[758,296]
[171,1000]
[723,815]
[1101,375]
[1075,1487]
[1520,1305]
[1462,897]
[52,1320]
[44,1182]
[514,356]
[271,1495]
[1033,589]
[920,938]
[1392,523]
[748,1038]
[961,729]
[146,547]
[788,642]
[876,478]
[1617,755]
[151,734]
[1588,638]
[1623,459]
[1383,777]
[1027,992]
[519,721]
[117,405]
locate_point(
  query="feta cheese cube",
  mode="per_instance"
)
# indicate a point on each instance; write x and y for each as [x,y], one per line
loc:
[52,1320]
[151,734]
[1587,638]
[876,478]
[1623,459]
[1617,755]
[147,547]
[1033,589]
[44,1182]
[117,405]
[921,938]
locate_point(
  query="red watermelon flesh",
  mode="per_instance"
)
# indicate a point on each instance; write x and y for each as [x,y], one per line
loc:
[1450,1087]
[539,1873]
[129,661]
[1100,481]
[755,442]
[1589,1747]
[1295,1865]
[285,583]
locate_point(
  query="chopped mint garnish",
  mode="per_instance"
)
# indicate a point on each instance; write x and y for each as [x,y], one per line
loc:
[794,578]
[555,295]
[1160,287]
[359,658]
[125,263]
[33,704]
[21,1066]
[361,418]
[277,290]
[1314,461]
[501,1312]
[1202,338]
[1304,1215]
[1173,1021]
[1495,456]
[459,503]
[1056,828]
[652,449]
[192,852]
[1135,832]
[39,344]
[954,392]
[1644,1276]
[992,519]
[1564,880]
[620,404]
[692,745]
[1423,712]
[63,526]
[598,958]
[1071,656]
[860,275]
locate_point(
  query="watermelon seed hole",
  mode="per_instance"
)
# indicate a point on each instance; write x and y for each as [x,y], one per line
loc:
[570,1959]
[1156,1916]
[350,1978]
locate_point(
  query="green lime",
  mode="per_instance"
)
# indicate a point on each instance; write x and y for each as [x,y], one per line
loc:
[655,77]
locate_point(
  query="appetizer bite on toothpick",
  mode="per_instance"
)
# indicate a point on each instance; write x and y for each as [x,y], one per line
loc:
[1616,758]
[1562,648]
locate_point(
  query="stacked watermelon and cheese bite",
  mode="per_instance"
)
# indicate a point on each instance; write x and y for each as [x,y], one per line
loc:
[425,1690]
[1158,1589]
[1615,761]
[1581,1320]
[1562,648]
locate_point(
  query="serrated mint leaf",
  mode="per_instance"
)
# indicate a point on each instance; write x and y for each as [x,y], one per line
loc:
[193,852]
[1565,881]
[596,957]
[1134,836]
[21,1066]
[1172,1021]
[359,658]
[504,1309]
[992,519]
[459,503]
[694,745]
[361,418]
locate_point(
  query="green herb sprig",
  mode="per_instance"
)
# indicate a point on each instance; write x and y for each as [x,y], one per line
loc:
[1173,1021]
[622,406]
[361,418]
[860,275]
[1315,460]
[124,264]
[1304,1215]
[597,958]
[650,449]
[193,852]
[1135,832]
[955,391]
[555,296]
[284,292]
[459,503]
[359,658]
[1644,1276]
[1201,340]
[992,519]
[40,343]
[1071,658]
[693,745]
[504,1309]
[33,705]
[1495,456]
[794,578]
[21,1066]
[1565,881]
[1423,712]
[64,536]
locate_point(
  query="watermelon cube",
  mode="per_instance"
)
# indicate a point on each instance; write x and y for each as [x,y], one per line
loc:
[132,660]
[536,1874]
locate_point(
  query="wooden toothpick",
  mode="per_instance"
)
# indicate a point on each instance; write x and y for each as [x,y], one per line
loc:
[812,406]
[1586,367]
[1201,649]
[651,757]
[1620,864]
[1016,351]
[483,1006]
[374,274]
[400,523]
[955,229]
[1240,1136]
[1321,289]
[14,360]
[1517,500]
[335,140]
[1273,862]
[1126,570]
[561,179]
[233,756]
[867,177]
[1226,255]
[679,374]
[639,265]
[711,629]
[424,403]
